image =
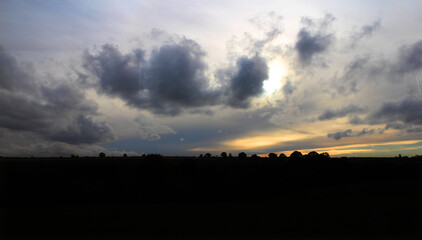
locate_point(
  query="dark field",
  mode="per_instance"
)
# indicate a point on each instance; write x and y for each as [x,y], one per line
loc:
[210,198]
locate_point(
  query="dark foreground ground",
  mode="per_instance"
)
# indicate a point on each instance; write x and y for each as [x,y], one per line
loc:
[215,198]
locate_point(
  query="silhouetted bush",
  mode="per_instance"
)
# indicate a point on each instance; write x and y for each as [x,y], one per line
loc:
[101,155]
[282,155]
[223,154]
[207,155]
[324,155]
[255,156]
[272,156]
[242,155]
[125,155]
[230,155]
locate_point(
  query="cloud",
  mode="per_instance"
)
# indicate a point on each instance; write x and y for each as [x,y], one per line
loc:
[118,74]
[365,31]
[55,111]
[150,130]
[416,129]
[407,111]
[310,43]
[396,126]
[247,81]
[342,112]
[172,79]
[271,25]
[365,131]
[339,135]
[410,58]
[348,133]
[356,120]
[83,130]
[399,115]
[288,88]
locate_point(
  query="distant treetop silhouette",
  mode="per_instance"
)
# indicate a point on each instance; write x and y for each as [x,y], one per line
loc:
[242,155]
[296,155]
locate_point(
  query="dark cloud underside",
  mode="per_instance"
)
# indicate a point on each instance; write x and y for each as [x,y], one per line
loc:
[54,112]
[248,80]
[340,135]
[342,112]
[173,78]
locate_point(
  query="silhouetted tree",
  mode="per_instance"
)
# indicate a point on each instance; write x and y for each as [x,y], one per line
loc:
[255,156]
[101,155]
[230,155]
[207,155]
[125,155]
[272,155]
[282,155]
[242,155]
[223,155]
[313,154]
[296,155]
[324,155]
[201,155]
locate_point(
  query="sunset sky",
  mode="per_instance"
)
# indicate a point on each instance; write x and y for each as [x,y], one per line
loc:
[190,77]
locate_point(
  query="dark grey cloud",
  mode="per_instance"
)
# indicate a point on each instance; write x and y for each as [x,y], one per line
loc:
[12,76]
[340,135]
[53,111]
[413,130]
[404,115]
[356,120]
[410,58]
[288,88]
[172,79]
[407,111]
[365,131]
[349,133]
[313,39]
[395,125]
[365,31]
[247,81]
[342,112]
[119,74]
[83,130]
[308,45]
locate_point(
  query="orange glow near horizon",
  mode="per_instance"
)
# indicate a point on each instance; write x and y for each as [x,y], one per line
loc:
[255,142]
[340,150]
[333,151]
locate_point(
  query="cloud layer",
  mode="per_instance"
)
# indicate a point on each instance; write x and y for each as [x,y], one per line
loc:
[174,78]
[56,112]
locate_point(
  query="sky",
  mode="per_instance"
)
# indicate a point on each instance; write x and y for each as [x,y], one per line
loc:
[190,77]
